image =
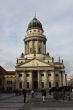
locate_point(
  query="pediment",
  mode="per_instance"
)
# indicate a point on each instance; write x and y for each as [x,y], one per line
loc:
[34,63]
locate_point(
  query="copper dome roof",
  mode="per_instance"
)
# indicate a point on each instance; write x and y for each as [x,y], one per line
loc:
[35,23]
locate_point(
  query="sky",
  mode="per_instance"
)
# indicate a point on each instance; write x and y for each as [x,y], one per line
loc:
[56,17]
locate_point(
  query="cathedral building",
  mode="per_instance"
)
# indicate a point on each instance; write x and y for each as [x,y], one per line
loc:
[36,69]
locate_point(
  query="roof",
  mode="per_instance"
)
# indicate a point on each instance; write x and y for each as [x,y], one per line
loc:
[58,63]
[2,71]
[35,23]
[11,72]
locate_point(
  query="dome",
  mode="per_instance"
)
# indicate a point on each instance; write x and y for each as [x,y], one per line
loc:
[35,23]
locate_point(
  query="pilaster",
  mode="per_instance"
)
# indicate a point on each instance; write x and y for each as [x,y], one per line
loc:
[17,80]
[38,80]
[53,79]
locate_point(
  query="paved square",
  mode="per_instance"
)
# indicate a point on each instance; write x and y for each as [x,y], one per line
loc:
[12,102]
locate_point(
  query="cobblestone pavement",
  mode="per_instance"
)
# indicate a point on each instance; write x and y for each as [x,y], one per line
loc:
[12,102]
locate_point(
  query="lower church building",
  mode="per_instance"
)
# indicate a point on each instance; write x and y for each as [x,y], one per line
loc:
[36,69]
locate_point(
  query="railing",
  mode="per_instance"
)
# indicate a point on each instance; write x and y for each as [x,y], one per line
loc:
[34,34]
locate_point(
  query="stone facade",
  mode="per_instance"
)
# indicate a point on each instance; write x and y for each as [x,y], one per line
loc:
[36,69]
[7,80]
[10,81]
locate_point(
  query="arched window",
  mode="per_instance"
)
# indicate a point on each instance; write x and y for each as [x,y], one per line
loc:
[42,84]
[49,84]
[20,85]
[27,84]
[34,30]
[57,84]
[30,50]
[39,50]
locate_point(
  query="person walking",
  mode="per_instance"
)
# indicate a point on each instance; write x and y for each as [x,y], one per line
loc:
[44,95]
[32,93]
[24,94]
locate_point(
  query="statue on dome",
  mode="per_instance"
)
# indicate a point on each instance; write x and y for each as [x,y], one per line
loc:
[22,55]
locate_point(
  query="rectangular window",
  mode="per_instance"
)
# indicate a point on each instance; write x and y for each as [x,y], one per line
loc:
[20,85]
[56,75]
[20,75]
[9,82]
[42,84]
[57,85]
[42,74]
[27,84]
[34,30]
[49,74]
[27,75]
[30,50]
[38,30]
[49,84]
[39,50]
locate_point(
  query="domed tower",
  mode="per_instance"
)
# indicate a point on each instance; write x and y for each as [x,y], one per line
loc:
[35,69]
[35,40]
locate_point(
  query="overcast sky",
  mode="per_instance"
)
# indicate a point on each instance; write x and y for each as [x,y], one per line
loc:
[56,17]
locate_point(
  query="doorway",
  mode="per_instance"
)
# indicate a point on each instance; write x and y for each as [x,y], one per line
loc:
[35,80]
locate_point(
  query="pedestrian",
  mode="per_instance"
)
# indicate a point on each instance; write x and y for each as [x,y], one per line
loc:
[44,95]
[32,93]
[16,92]
[24,94]
[19,92]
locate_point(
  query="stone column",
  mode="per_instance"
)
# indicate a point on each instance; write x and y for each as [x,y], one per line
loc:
[37,46]
[17,80]
[25,51]
[28,47]
[31,82]
[64,82]
[25,48]
[53,79]
[42,48]
[25,80]
[32,45]
[45,79]
[65,79]
[45,48]
[60,80]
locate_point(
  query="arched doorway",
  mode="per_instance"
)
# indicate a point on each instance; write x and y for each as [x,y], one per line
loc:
[34,79]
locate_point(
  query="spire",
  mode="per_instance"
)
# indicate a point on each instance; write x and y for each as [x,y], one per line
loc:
[35,14]
[59,58]
[62,60]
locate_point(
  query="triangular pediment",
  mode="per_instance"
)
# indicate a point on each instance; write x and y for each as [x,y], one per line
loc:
[34,63]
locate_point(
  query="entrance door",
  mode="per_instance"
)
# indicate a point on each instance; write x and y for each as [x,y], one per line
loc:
[35,84]
[35,79]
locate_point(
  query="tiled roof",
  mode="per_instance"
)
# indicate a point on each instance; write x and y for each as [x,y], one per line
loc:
[2,71]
